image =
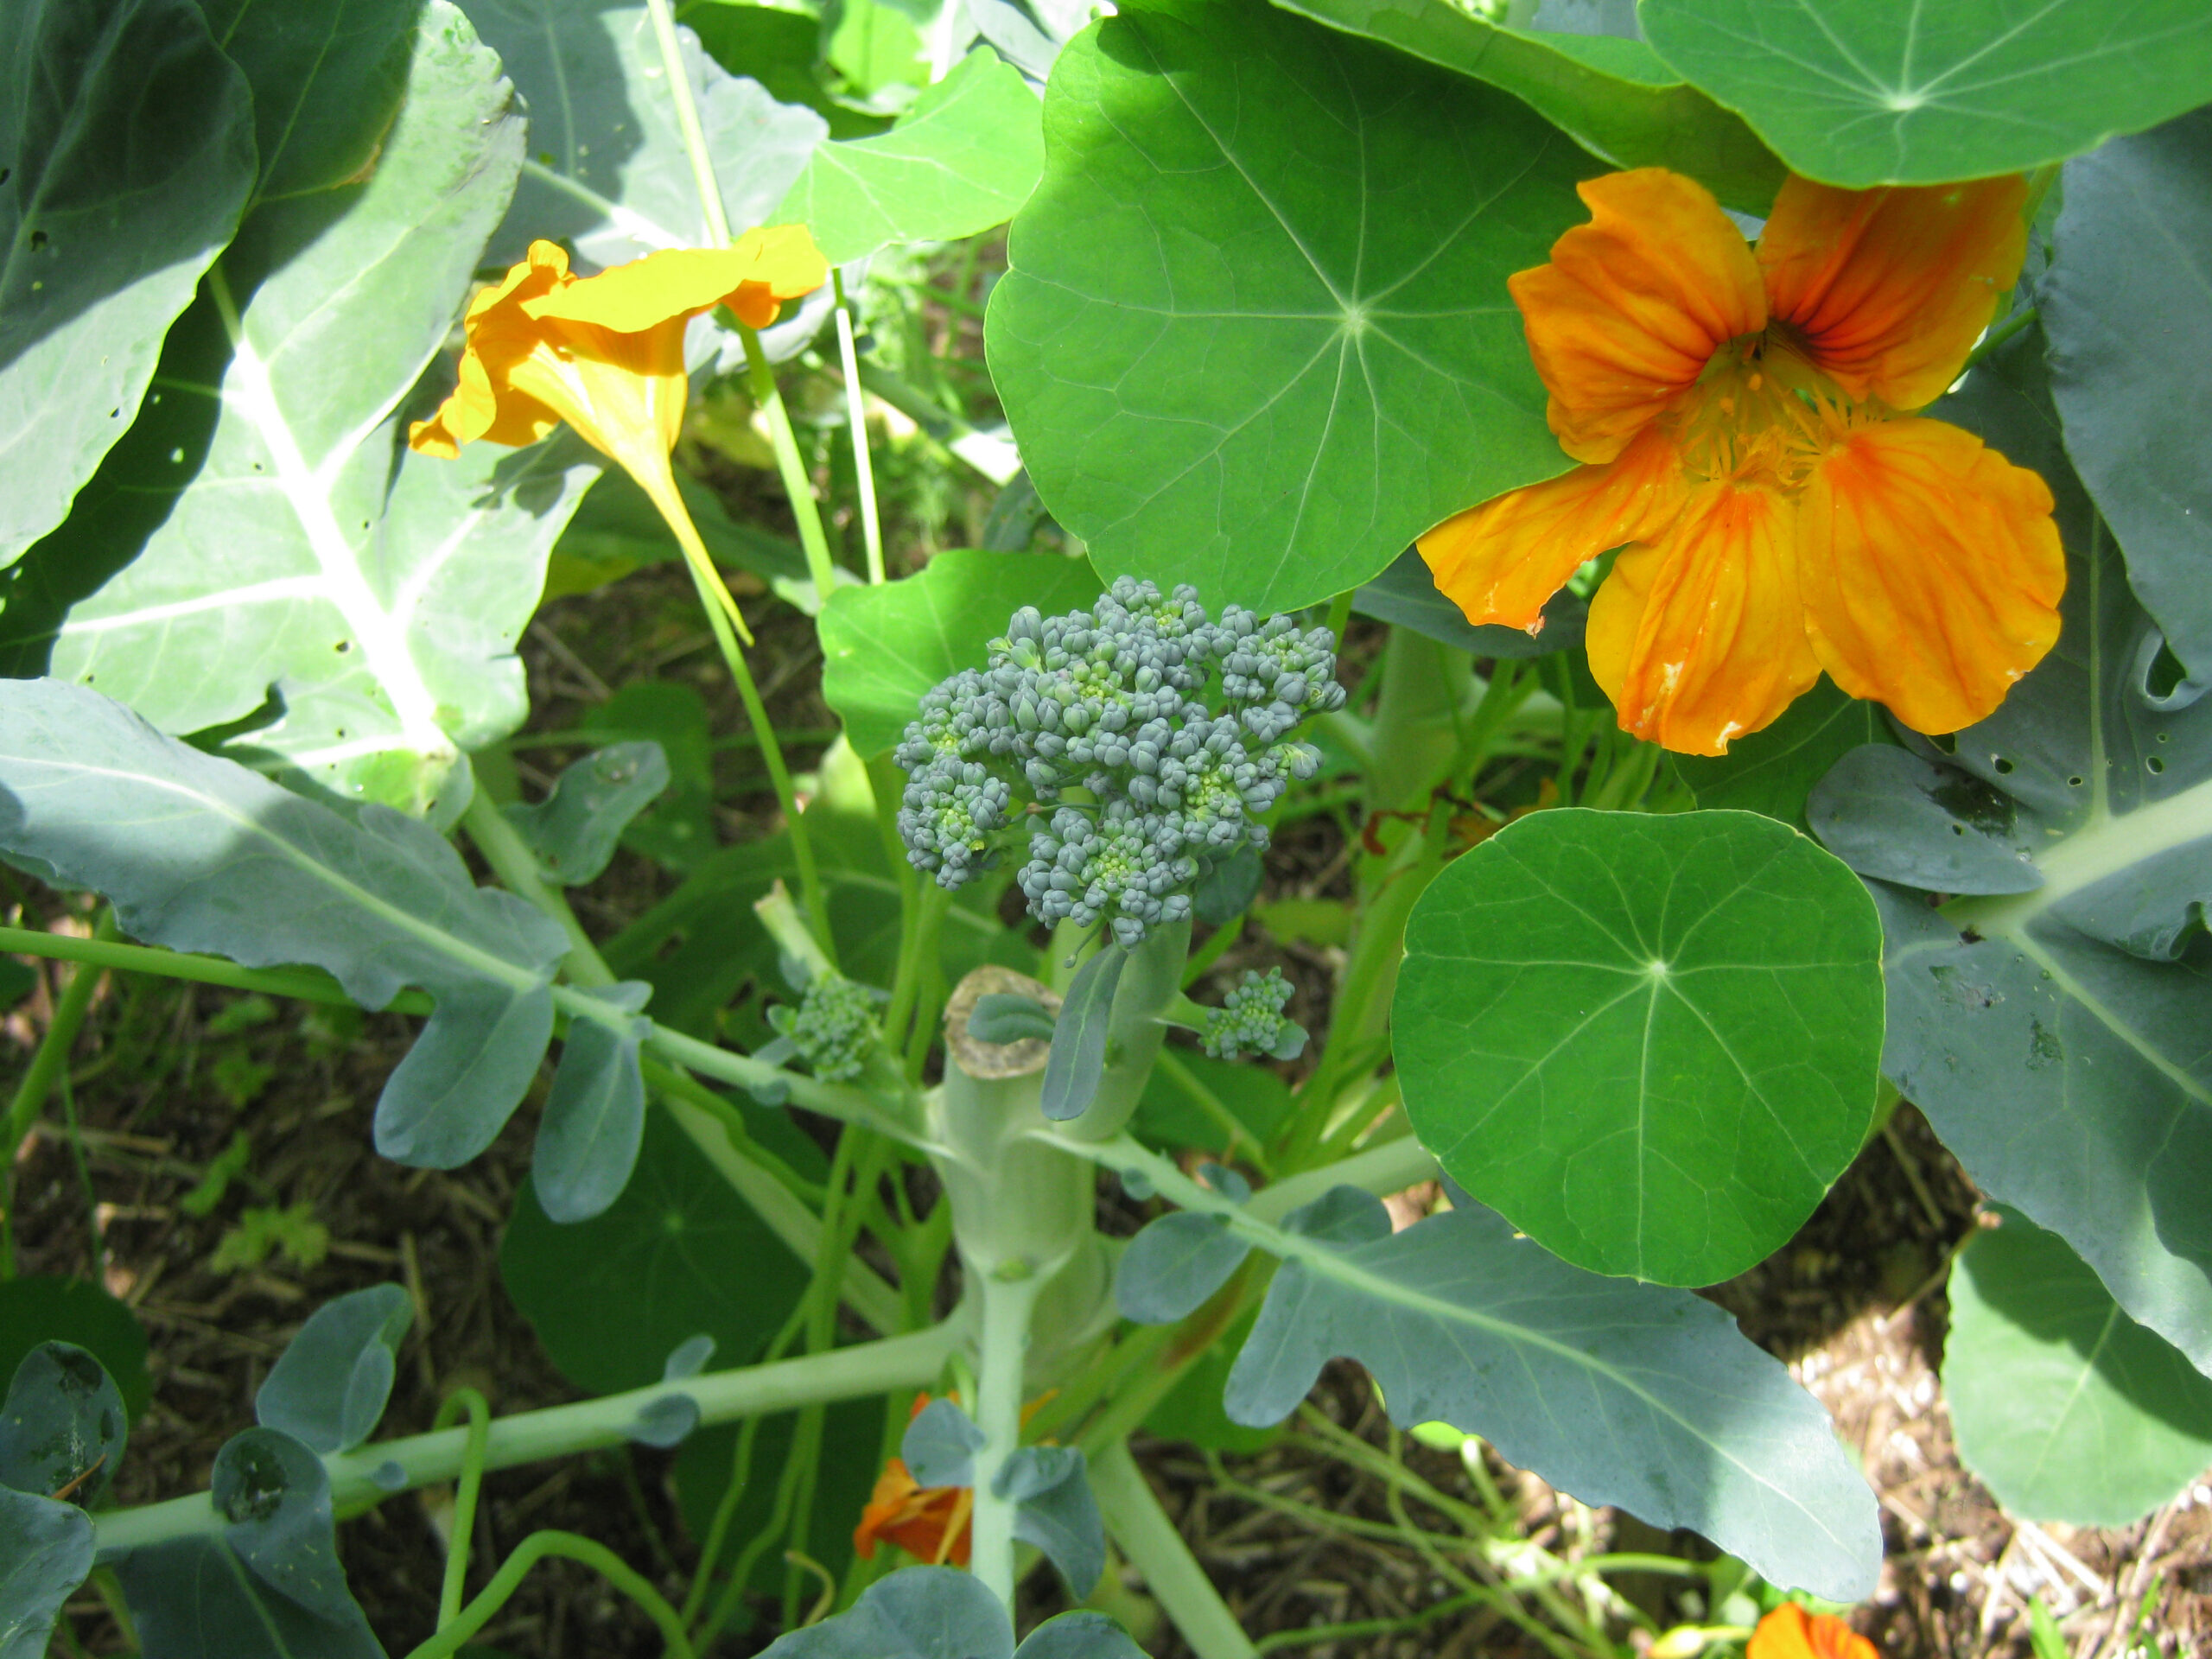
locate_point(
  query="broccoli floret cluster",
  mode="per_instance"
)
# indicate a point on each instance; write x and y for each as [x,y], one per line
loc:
[1114,701]
[833,1028]
[1250,1020]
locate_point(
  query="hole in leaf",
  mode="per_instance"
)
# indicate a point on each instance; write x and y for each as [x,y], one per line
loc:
[2074,782]
[2003,766]
[2155,764]
[2165,673]
[38,240]
[1949,742]
[5,173]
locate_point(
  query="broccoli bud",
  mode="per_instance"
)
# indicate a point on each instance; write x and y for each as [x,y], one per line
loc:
[1112,700]
[1250,1020]
[833,1028]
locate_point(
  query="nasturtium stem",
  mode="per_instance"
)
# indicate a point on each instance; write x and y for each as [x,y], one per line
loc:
[1136,1523]
[687,121]
[301,985]
[771,753]
[856,422]
[452,1637]
[48,1063]
[760,380]
[506,852]
[993,456]
[472,1404]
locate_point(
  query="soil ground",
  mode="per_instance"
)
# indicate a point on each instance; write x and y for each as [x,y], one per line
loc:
[1295,1536]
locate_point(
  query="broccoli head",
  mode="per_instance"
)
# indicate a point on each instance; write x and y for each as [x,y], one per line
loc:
[1118,703]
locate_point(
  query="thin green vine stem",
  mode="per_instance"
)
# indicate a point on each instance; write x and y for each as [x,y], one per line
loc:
[857,421]
[916,947]
[711,1552]
[760,380]
[1309,1635]
[713,595]
[772,753]
[301,985]
[567,1546]
[2004,330]
[504,848]
[470,1403]
[855,1169]
[687,121]
[47,1064]
[1155,1548]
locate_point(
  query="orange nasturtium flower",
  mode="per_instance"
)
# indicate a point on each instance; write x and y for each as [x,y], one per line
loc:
[1790,1632]
[1744,417]
[606,353]
[928,1523]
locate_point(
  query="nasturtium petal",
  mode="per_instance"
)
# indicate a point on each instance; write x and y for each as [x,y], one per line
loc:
[1254,335]
[1649,1041]
[1860,92]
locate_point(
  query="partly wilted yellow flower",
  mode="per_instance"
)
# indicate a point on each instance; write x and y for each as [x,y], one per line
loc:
[606,353]
[1745,416]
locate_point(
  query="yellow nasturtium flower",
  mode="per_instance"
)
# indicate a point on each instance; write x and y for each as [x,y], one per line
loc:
[604,353]
[1745,419]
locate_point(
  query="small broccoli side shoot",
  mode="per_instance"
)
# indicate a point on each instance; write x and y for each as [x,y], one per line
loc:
[1250,1020]
[1114,701]
[833,1029]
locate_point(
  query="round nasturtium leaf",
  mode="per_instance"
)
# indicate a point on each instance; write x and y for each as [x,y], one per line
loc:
[1255,334]
[1861,92]
[1650,1042]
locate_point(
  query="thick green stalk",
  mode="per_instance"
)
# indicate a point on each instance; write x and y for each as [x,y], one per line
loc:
[1148,1539]
[1151,982]
[1426,685]
[1008,1303]
[360,1479]
[46,1064]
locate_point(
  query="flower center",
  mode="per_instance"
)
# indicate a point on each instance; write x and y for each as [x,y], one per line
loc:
[1762,414]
